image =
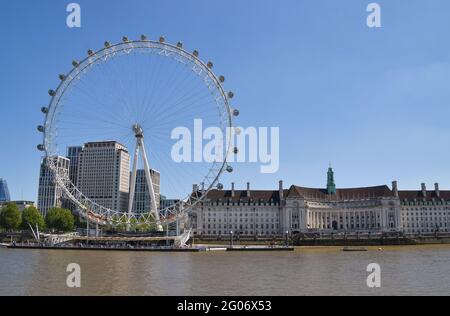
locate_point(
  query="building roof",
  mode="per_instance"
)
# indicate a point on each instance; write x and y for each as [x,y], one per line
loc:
[301,192]
[241,195]
[417,195]
[341,194]
[105,143]
[380,191]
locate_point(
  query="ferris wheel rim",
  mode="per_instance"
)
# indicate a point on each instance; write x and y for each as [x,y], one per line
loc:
[111,51]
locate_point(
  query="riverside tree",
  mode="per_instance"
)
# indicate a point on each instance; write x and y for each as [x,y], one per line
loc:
[60,219]
[10,217]
[31,216]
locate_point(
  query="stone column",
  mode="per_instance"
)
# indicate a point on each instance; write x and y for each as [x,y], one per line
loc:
[199,220]
[290,224]
[301,221]
[321,220]
[362,218]
[330,219]
[306,213]
[316,217]
[285,214]
[308,221]
[376,219]
[381,219]
[304,219]
[398,214]
[344,219]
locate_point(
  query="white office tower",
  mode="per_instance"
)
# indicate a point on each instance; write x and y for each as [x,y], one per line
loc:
[142,200]
[104,174]
[50,194]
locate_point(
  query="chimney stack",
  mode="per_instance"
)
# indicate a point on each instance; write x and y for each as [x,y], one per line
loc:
[280,189]
[424,190]
[395,188]
[232,189]
[436,189]
[248,189]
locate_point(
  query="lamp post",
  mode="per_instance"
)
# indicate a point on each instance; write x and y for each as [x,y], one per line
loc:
[231,239]
[287,238]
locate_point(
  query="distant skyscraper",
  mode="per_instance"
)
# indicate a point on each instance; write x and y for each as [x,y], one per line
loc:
[73,154]
[165,203]
[50,194]
[141,202]
[104,174]
[4,192]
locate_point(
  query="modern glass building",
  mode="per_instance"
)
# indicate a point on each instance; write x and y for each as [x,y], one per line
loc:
[73,154]
[4,192]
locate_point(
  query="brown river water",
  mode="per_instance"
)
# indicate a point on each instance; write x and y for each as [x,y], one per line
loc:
[421,270]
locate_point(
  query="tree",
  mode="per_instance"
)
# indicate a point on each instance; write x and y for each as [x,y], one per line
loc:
[32,216]
[143,228]
[60,219]
[10,217]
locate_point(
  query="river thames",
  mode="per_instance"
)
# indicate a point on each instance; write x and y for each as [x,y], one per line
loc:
[422,270]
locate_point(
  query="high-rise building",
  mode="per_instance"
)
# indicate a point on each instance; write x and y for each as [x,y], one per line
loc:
[104,174]
[4,192]
[165,202]
[142,201]
[50,194]
[73,154]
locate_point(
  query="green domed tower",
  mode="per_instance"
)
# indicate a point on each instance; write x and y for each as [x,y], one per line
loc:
[331,186]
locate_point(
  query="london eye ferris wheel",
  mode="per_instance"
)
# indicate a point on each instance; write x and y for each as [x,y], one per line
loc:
[132,91]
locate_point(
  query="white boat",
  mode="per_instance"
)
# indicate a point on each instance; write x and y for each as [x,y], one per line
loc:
[217,249]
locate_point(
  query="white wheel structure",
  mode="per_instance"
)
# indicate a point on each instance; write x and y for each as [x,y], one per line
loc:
[126,90]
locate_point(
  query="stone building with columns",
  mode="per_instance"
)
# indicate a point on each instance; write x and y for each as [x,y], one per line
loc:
[425,211]
[323,210]
[243,212]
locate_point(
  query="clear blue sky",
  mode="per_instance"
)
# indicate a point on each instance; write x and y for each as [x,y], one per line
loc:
[373,102]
